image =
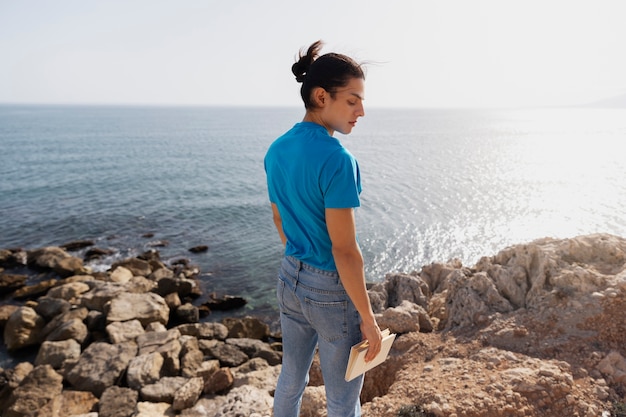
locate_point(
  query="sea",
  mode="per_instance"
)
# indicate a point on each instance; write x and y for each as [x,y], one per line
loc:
[438,184]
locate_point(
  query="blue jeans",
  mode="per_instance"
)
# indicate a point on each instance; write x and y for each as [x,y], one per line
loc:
[316,310]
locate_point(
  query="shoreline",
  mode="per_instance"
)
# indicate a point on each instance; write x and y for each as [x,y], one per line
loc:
[529,331]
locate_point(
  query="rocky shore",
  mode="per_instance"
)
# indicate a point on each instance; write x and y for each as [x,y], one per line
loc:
[539,329]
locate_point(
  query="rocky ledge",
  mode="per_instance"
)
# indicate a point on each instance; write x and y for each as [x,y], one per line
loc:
[537,330]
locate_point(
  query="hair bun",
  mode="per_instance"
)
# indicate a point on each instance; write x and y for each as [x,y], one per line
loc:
[300,70]
[301,67]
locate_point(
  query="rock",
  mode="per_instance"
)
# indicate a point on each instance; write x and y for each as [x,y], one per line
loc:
[187,313]
[11,282]
[255,348]
[137,266]
[58,353]
[163,390]
[5,312]
[218,381]
[182,286]
[146,308]
[206,330]
[187,395]
[23,328]
[69,292]
[228,355]
[473,300]
[313,401]
[144,370]
[49,307]
[13,258]
[46,258]
[533,330]
[35,290]
[69,266]
[97,253]
[68,325]
[124,331]
[148,409]
[227,302]
[249,327]
[152,341]
[199,249]
[613,366]
[100,295]
[240,401]
[39,387]
[169,348]
[257,373]
[77,245]
[161,273]
[121,275]
[70,403]
[117,402]
[100,366]
[404,318]
[191,358]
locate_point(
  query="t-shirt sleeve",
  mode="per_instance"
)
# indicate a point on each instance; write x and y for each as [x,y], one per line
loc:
[340,181]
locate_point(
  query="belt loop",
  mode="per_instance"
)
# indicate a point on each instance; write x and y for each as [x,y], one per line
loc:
[298,268]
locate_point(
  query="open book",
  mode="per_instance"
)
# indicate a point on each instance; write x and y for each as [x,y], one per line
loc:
[357,364]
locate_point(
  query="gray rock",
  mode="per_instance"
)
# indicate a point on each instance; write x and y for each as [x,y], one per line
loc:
[57,353]
[71,329]
[187,395]
[187,313]
[68,325]
[250,327]
[146,308]
[100,295]
[118,402]
[49,307]
[163,390]
[228,355]
[124,331]
[100,366]
[144,370]
[207,330]
[137,266]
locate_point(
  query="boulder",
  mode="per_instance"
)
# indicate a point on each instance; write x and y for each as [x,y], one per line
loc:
[146,308]
[57,353]
[100,366]
[118,401]
[11,282]
[248,327]
[39,387]
[144,370]
[23,328]
[187,395]
[137,266]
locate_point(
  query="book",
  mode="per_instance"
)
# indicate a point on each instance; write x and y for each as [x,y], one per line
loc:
[357,364]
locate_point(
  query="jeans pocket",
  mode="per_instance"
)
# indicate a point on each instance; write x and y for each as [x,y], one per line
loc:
[329,318]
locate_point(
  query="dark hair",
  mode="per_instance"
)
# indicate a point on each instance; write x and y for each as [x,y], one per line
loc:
[329,71]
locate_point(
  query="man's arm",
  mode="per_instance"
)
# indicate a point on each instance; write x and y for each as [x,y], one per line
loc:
[349,262]
[278,223]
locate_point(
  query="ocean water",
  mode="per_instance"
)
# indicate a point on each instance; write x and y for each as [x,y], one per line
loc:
[437,184]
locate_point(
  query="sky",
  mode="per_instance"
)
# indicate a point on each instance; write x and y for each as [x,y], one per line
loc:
[418,53]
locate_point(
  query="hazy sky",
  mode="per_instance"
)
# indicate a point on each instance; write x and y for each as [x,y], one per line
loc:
[434,53]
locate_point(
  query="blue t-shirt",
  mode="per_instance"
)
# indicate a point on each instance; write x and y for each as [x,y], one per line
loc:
[309,171]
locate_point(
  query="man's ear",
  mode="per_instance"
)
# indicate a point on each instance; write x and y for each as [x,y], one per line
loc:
[320,96]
